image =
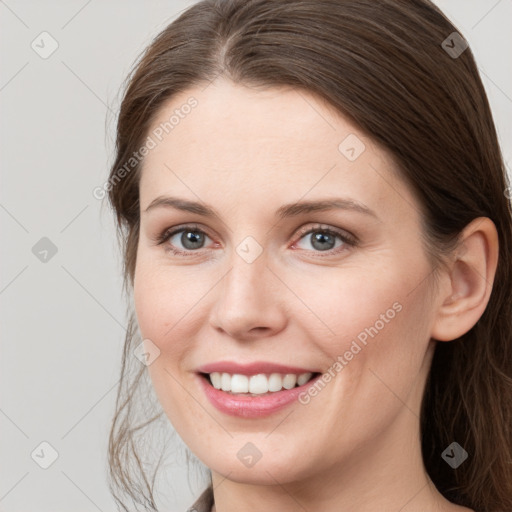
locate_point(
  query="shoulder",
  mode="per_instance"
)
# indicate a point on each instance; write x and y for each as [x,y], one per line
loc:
[204,502]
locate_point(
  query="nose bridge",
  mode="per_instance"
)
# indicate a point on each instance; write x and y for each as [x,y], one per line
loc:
[246,297]
[248,261]
[246,284]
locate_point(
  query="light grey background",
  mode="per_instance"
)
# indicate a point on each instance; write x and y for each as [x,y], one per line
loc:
[62,321]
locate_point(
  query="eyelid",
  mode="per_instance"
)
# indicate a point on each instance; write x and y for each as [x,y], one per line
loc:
[161,237]
[345,235]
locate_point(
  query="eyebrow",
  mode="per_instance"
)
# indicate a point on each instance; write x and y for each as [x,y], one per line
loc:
[287,210]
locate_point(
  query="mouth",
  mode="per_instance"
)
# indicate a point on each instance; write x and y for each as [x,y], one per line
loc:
[233,394]
[258,384]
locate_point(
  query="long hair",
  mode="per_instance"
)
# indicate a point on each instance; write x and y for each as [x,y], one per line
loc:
[396,69]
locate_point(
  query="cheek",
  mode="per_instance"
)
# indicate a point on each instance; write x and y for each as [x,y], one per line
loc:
[384,340]
[380,321]
[168,304]
[156,305]
[381,327]
[363,305]
[164,317]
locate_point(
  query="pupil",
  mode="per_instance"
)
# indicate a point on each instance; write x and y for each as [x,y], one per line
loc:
[321,238]
[191,237]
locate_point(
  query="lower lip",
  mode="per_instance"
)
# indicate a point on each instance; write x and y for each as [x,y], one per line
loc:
[252,406]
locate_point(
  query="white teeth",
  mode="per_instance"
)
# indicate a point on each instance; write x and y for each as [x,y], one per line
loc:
[239,383]
[225,382]
[289,381]
[257,384]
[275,382]
[303,378]
[216,379]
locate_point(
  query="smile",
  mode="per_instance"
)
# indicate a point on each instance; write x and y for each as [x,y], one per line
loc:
[254,396]
[257,384]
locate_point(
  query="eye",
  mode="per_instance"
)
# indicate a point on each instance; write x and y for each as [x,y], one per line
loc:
[323,239]
[190,237]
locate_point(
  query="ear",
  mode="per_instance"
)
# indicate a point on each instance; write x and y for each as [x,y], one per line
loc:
[470,277]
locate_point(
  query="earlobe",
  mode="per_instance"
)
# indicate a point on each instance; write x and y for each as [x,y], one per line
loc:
[471,275]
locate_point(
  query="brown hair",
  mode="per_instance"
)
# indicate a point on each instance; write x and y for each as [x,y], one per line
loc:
[383,66]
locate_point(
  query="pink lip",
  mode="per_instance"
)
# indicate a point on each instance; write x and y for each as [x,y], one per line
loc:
[252,406]
[251,368]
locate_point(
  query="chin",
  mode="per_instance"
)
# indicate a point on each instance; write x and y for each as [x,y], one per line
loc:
[268,470]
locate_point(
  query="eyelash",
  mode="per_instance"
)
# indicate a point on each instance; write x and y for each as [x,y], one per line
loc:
[347,239]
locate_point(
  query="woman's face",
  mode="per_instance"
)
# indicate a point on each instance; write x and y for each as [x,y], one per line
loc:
[261,282]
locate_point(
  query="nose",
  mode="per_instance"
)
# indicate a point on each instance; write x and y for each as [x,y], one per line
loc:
[249,301]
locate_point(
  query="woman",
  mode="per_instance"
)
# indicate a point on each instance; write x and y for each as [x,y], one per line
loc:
[317,235]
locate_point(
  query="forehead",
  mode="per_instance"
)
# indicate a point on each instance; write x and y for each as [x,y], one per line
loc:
[232,122]
[241,145]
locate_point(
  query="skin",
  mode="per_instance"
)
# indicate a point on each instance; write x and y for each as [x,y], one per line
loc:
[355,446]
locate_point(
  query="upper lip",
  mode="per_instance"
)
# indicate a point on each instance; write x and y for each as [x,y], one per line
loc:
[251,368]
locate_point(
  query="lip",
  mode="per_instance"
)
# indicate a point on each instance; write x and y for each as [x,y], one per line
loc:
[251,368]
[252,406]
